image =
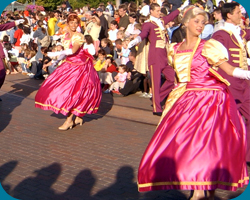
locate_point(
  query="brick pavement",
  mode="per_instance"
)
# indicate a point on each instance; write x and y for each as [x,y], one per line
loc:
[96,161]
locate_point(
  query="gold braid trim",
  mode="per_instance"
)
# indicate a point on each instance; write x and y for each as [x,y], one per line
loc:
[46,105]
[194,183]
[216,74]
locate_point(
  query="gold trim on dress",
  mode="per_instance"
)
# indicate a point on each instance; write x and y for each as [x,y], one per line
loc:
[216,74]
[193,183]
[78,63]
[200,89]
[47,105]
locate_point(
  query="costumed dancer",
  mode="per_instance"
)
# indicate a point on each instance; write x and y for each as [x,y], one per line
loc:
[154,29]
[74,87]
[200,142]
[234,40]
[4,27]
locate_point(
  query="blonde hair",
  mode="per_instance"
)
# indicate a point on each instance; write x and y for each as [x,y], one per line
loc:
[190,12]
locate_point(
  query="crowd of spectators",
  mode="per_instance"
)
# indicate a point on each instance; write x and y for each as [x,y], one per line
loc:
[107,31]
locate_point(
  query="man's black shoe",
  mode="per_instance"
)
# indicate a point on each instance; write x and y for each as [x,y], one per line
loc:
[0,99]
[157,113]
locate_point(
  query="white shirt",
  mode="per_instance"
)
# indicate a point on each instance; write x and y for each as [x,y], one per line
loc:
[90,48]
[25,39]
[130,29]
[113,35]
[235,30]
[145,10]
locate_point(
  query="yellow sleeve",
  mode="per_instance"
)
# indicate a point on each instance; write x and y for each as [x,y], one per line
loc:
[215,52]
[170,51]
[77,38]
[98,66]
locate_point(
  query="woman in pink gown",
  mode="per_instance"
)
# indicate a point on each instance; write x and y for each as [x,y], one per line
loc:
[74,87]
[200,142]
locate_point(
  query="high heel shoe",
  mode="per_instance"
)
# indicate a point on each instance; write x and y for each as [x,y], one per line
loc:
[198,195]
[66,126]
[78,120]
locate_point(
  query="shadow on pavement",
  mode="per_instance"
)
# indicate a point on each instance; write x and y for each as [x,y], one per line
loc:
[39,186]
[19,92]
[5,170]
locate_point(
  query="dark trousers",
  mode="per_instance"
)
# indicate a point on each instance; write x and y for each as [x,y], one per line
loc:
[160,92]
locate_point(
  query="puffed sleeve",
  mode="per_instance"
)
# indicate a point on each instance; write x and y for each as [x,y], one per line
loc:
[78,38]
[215,52]
[170,51]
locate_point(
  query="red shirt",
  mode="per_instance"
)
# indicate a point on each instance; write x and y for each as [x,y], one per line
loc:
[18,34]
[111,69]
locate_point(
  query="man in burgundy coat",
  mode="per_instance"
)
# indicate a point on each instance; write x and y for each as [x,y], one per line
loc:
[154,30]
[234,39]
[4,27]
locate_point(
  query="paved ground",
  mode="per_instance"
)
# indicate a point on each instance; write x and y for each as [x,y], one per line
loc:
[96,161]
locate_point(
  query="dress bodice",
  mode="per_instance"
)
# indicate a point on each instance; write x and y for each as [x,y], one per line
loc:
[194,65]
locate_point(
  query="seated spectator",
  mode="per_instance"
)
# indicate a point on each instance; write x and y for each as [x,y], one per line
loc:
[120,35]
[100,61]
[108,72]
[145,11]
[17,36]
[89,45]
[178,34]
[136,32]
[42,67]
[113,31]
[118,49]
[94,31]
[106,45]
[117,16]
[132,85]
[26,37]
[124,19]
[32,64]
[130,29]
[26,59]
[120,80]
[208,29]
[123,55]
[10,58]
[219,20]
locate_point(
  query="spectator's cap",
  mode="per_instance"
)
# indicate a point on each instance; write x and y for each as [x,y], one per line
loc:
[58,44]
[43,13]
[99,9]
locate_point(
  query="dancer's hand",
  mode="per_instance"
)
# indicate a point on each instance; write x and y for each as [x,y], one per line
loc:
[185,4]
[240,73]
[134,42]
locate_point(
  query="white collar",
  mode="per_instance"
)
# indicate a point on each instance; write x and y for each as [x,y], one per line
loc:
[157,21]
[235,29]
